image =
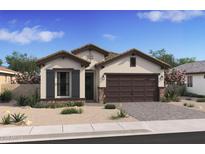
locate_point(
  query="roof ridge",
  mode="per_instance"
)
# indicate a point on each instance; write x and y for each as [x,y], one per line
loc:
[90,45]
[41,60]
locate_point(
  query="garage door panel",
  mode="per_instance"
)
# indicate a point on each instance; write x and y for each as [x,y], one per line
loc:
[131,88]
[139,99]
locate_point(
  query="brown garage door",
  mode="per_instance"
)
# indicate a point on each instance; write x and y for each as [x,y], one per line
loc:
[131,87]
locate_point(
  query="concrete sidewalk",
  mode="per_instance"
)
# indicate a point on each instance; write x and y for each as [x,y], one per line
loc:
[55,132]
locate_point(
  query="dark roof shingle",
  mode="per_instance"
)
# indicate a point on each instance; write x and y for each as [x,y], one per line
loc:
[194,67]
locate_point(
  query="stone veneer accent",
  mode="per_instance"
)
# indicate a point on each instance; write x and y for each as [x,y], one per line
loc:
[161,91]
[101,94]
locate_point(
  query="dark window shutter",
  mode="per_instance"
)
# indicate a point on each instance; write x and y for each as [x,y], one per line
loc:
[50,84]
[75,84]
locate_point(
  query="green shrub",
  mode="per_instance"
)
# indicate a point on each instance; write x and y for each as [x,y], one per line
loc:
[120,114]
[6,96]
[72,111]
[18,117]
[110,106]
[6,119]
[200,100]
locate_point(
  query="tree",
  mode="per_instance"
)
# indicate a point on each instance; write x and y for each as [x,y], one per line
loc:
[22,63]
[170,59]
[185,60]
[164,56]
[1,62]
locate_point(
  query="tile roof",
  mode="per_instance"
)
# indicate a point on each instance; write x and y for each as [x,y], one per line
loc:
[135,52]
[62,53]
[6,70]
[194,67]
[90,47]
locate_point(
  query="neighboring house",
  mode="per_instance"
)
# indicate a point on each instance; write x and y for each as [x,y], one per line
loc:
[95,74]
[195,76]
[6,75]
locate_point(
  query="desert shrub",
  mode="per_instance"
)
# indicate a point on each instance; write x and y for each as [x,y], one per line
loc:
[164,99]
[188,104]
[23,101]
[6,96]
[18,117]
[188,94]
[120,114]
[72,111]
[28,100]
[6,119]
[200,100]
[172,93]
[40,105]
[57,105]
[110,106]
[49,105]
[69,104]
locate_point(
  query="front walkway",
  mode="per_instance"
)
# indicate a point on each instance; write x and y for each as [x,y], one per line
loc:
[147,111]
[90,130]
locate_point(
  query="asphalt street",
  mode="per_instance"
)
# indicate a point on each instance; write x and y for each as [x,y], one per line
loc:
[174,138]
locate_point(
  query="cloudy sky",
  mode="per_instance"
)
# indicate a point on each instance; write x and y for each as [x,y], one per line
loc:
[40,33]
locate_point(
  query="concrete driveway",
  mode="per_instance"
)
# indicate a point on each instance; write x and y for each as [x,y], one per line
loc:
[147,111]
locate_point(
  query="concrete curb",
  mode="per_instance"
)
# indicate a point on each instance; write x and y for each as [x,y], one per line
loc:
[79,131]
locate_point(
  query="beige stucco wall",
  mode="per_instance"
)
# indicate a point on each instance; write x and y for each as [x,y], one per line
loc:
[97,57]
[123,66]
[62,63]
[5,79]
[198,84]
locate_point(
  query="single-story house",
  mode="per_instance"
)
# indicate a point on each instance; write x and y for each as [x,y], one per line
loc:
[6,75]
[92,73]
[195,76]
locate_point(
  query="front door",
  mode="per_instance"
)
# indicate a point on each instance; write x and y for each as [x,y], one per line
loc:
[89,85]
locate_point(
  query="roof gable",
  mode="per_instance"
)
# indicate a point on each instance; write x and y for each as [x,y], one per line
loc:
[138,53]
[90,47]
[62,54]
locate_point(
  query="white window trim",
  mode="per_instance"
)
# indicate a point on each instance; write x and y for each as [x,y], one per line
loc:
[189,85]
[70,85]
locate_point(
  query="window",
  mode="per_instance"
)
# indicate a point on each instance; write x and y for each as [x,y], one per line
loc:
[189,81]
[132,61]
[63,84]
